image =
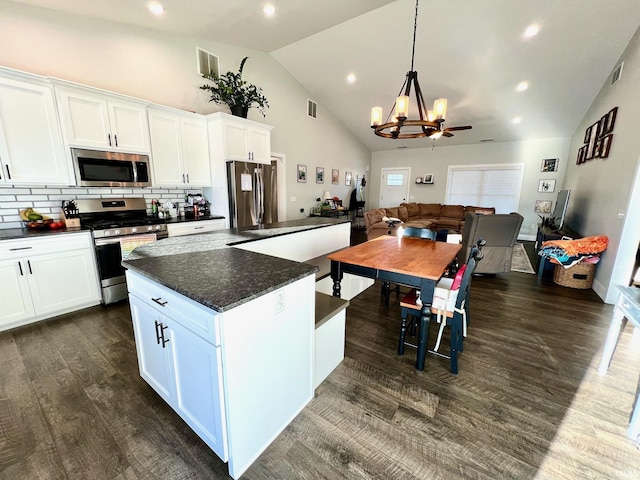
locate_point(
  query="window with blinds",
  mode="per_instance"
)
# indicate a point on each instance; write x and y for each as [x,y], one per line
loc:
[485,186]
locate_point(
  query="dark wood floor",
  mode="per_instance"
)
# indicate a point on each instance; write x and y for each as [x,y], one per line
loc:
[527,403]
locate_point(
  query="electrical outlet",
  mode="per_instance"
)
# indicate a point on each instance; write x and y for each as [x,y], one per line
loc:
[279,298]
[292,198]
[302,210]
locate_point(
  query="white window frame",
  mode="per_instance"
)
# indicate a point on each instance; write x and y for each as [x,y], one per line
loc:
[517,167]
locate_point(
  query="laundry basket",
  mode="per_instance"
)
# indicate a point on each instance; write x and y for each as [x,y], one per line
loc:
[579,275]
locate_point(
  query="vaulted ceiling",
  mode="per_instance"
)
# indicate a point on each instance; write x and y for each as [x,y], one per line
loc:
[470,51]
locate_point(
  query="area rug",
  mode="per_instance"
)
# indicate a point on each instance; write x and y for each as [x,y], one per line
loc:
[520,260]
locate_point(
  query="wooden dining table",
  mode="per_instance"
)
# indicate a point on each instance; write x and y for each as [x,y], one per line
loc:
[410,261]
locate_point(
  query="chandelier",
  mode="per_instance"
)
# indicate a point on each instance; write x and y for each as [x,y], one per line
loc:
[430,124]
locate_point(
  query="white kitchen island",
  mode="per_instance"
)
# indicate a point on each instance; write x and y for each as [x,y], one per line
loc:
[226,335]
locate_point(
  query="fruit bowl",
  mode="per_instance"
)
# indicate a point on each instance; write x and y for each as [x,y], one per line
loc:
[39,224]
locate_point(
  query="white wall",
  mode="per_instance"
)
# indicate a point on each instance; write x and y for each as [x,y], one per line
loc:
[603,187]
[162,68]
[438,160]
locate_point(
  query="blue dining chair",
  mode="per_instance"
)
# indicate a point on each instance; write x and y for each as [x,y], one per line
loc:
[457,318]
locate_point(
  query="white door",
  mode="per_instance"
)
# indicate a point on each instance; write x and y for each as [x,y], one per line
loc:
[15,296]
[394,186]
[154,361]
[30,141]
[260,145]
[164,129]
[129,127]
[236,142]
[195,152]
[85,119]
[61,281]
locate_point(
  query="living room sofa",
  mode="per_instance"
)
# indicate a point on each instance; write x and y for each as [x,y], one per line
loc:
[433,216]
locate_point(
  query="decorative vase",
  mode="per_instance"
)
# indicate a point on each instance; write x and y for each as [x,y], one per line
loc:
[239,111]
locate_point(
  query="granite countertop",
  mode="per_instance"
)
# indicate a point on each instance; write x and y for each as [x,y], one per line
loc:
[207,269]
[15,233]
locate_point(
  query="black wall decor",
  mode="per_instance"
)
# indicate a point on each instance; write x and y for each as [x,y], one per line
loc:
[598,138]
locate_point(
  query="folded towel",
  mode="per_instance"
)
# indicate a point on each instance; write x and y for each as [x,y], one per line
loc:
[580,246]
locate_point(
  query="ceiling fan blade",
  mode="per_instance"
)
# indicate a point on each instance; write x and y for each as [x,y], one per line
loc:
[454,129]
[447,134]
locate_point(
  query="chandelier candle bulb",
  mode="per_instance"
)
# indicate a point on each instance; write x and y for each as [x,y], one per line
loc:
[376,116]
[402,106]
[440,108]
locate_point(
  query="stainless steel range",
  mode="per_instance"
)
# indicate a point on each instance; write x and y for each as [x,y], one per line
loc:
[117,224]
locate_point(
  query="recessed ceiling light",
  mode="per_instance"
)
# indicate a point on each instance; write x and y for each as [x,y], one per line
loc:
[351,78]
[156,8]
[522,86]
[531,31]
[516,120]
[269,10]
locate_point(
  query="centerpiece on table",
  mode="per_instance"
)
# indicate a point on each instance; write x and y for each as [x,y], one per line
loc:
[229,89]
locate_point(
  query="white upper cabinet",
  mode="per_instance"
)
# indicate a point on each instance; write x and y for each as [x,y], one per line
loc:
[240,139]
[180,148]
[31,146]
[94,119]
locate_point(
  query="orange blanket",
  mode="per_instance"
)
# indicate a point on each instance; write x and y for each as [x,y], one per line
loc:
[581,246]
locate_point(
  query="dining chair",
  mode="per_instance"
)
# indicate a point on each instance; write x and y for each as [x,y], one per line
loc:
[406,232]
[454,316]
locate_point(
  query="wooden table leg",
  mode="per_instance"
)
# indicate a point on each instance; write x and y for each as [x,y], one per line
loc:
[617,323]
[336,276]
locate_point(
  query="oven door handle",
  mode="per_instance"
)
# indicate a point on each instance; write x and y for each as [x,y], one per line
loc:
[106,241]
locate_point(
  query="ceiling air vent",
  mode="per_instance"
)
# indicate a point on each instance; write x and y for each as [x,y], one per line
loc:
[312,108]
[207,62]
[617,73]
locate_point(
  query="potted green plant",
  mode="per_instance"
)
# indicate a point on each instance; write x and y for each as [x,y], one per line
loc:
[229,89]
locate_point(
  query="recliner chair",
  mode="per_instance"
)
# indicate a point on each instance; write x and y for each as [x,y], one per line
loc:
[500,231]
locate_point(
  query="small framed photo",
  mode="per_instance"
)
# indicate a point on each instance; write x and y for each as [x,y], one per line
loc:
[302,173]
[546,186]
[542,206]
[549,165]
[335,176]
[428,178]
[582,153]
[319,174]
[606,145]
[347,179]
[611,121]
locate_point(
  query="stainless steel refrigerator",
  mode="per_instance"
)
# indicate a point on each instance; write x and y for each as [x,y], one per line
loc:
[253,198]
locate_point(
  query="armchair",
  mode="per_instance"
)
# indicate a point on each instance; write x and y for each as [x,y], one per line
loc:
[500,231]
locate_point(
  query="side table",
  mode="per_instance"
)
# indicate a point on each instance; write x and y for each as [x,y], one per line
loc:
[627,308]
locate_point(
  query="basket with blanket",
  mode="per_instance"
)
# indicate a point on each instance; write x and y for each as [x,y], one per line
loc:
[575,259]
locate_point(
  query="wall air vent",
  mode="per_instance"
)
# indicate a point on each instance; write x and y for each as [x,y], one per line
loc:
[312,108]
[617,73]
[207,62]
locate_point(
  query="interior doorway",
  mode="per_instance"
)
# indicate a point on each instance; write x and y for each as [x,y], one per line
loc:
[394,186]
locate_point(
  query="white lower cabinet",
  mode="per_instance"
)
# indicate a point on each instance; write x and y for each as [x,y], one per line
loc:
[45,277]
[237,378]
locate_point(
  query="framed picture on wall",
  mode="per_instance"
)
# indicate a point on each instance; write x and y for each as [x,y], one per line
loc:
[335,176]
[542,206]
[546,186]
[302,173]
[549,165]
[428,178]
[319,174]
[347,179]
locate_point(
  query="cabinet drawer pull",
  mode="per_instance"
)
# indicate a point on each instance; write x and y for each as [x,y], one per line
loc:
[198,228]
[159,301]
[157,332]
[20,248]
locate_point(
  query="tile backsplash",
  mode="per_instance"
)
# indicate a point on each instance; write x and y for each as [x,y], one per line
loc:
[48,200]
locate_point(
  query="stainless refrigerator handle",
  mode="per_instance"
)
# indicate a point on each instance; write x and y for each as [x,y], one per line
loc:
[260,186]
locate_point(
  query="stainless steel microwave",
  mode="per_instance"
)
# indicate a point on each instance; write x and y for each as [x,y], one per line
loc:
[96,168]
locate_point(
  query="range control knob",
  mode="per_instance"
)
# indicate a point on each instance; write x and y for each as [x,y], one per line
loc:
[106,233]
[134,229]
[116,232]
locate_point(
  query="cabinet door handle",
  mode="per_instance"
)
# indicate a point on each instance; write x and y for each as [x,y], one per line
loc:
[159,301]
[115,137]
[187,178]
[109,138]
[183,178]
[164,340]
[157,332]
[20,248]
[29,264]
[21,273]
[8,172]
